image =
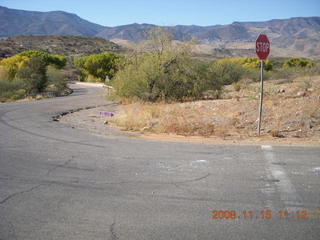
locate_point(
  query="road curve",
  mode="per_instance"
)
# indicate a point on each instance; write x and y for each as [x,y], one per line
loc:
[57,182]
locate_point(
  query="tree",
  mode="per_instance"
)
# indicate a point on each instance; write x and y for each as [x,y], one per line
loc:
[98,65]
[33,75]
[13,64]
[165,72]
[29,70]
[49,59]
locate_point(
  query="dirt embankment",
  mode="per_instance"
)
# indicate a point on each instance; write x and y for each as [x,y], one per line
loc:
[291,116]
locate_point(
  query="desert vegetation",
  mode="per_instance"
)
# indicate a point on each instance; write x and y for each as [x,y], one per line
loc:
[291,110]
[166,90]
[96,67]
[166,71]
[31,72]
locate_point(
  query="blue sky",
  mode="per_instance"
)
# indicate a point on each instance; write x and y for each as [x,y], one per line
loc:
[173,12]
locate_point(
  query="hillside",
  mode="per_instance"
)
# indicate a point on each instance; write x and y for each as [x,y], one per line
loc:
[56,44]
[16,22]
[289,37]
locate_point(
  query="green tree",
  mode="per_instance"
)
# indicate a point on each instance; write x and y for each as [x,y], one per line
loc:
[33,75]
[49,59]
[98,65]
[12,64]
[57,61]
[165,72]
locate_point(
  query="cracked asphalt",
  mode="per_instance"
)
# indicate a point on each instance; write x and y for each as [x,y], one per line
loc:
[57,182]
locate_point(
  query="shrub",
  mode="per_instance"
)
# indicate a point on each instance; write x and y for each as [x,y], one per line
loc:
[249,63]
[26,73]
[163,76]
[19,94]
[56,79]
[236,86]
[98,66]
[11,90]
[49,59]
[58,61]
[166,72]
[286,73]
[297,63]
[4,75]
[33,75]
[12,64]
[226,72]
[255,63]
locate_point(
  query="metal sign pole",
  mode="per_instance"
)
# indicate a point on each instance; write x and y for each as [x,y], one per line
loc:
[261,96]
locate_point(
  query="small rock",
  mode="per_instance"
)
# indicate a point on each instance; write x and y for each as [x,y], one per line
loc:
[145,129]
[301,94]
[281,90]
[106,122]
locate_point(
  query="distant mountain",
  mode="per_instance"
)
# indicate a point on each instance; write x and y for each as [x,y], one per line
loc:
[137,32]
[133,32]
[243,31]
[297,36]
[300,36]
[17,22]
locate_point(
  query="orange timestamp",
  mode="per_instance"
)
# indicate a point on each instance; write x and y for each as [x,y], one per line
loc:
[264,214]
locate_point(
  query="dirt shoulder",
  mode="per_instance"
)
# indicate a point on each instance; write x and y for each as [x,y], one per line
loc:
[90,120]
[291,117]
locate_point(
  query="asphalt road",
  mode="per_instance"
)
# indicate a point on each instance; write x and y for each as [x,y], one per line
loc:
[57,182]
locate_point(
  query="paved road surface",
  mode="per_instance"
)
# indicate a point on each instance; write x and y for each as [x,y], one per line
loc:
[62,183]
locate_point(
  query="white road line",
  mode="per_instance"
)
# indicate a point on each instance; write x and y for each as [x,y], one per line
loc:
[288,193]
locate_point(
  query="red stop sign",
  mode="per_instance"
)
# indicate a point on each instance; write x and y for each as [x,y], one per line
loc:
[262,46]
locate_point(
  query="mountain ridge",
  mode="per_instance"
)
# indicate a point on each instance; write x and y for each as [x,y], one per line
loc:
[300,34]
[21,22]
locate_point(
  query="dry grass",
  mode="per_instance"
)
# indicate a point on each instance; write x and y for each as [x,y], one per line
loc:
[285,114]
[138,116]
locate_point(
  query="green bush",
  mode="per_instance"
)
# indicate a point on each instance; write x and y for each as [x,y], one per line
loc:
[33,75]
[166,73]
[49,59]
[56,79]
[286,73]
[98,66]
[19,94]
[297,63]
[226,72]
[252,74]
[11,90]
[57,60]
[29,69]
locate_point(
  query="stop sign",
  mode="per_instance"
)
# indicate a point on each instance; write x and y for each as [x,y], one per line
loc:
[262,46]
